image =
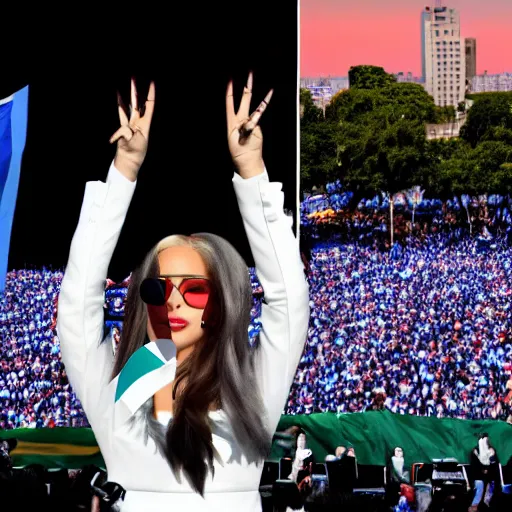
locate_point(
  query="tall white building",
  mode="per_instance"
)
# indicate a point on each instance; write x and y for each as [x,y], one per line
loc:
[445,58]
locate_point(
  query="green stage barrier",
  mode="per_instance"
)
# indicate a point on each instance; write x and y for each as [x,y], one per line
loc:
[373,435]
[70,448]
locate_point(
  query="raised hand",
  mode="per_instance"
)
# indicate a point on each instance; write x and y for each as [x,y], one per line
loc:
[132,137]
[245,138]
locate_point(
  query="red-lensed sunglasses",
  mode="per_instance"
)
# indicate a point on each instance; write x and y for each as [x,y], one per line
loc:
[195,290]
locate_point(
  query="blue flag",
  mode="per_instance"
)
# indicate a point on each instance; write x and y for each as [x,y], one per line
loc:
[13,133]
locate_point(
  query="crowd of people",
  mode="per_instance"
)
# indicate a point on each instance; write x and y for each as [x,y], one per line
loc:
[34,390]
[428,332]
[421,327]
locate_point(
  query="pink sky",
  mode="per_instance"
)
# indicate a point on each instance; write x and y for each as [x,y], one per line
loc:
[337,34]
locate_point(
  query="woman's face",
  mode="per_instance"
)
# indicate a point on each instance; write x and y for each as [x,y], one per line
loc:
[177,320]
[399,452]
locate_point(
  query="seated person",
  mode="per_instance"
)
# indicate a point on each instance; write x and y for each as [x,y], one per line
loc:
[485,467]
[301,467]
[340,452]
[397,473]
[398,477]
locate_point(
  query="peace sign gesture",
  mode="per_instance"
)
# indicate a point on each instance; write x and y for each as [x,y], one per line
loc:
[245,138]
[132,137]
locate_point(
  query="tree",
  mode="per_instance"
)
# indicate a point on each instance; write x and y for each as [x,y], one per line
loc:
[401,100]
[484,169]
[310,113]
[489,111]
[318,160]
[445,114]
[490,159]
[498,134]
[381,138]
[369,77]
[317,145]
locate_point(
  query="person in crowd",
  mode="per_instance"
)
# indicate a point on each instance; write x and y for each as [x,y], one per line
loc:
[302,460]
[485,468]
[340,452]
[399,477]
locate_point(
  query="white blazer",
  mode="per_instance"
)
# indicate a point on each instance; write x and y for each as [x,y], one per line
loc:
[131,460]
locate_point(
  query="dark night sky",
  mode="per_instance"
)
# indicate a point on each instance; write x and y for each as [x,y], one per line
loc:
[185,183]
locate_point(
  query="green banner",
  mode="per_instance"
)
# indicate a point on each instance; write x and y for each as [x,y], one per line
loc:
[70,448]
[373,435]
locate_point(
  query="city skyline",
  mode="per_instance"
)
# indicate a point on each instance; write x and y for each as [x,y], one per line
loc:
[337,34]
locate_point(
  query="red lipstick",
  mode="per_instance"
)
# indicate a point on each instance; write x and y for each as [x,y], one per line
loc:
[177,324]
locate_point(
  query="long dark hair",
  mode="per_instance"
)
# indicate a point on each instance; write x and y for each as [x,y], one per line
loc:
[219,372]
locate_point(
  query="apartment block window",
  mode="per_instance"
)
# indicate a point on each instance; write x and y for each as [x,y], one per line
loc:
[457,77]
[457,69]
[437,33]
[446,32]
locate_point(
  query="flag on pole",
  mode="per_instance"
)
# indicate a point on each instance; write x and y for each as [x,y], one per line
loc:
[13,133]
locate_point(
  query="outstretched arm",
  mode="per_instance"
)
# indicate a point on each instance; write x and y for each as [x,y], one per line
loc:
[285,311]
[80,316]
